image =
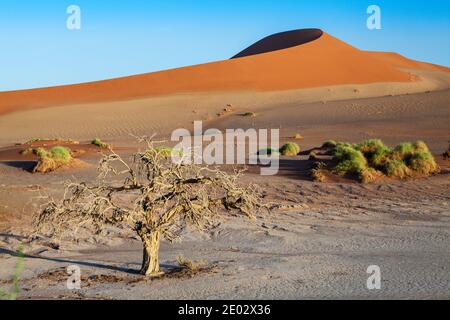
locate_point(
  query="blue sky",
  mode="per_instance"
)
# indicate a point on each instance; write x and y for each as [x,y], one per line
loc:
[119,38]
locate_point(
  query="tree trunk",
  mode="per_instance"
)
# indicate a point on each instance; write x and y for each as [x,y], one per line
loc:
[150,260]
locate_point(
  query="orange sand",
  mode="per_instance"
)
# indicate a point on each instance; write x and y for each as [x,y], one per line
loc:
[325,61]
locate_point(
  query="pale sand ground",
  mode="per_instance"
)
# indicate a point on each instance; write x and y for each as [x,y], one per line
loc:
[317,245]
[116,120]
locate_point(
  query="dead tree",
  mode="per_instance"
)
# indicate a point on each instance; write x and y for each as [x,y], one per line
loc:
[153,195]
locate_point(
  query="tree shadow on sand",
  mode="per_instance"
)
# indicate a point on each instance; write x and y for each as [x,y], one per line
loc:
[82,263]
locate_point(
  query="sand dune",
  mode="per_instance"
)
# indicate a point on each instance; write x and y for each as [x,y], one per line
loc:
[302,59]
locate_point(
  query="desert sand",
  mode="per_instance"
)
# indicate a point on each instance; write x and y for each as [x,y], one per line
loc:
[319,238]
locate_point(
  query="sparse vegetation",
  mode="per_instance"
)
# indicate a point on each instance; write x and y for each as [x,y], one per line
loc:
[351,160]
[424,163]
[249,114]
[15,289]
[312,156]
[189,264]
[99,143]
[67,141]
[52,159]
[371,159]
[370,175]
[329,144]
[397,168]
[317,172]
[161,150]
[290,149]
[157,198]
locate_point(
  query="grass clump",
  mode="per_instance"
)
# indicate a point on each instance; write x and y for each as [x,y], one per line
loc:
[397,168]
[372,158]
[424,163]
[189,264]
[290,149]
[50,160]
[329,144]
[164,151]
[351,161]
[249,114]
[370,147]
[370,175]
[317,172]
[403,151]
[99,143]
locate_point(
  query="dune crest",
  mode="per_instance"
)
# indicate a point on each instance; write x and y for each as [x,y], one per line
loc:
[298,59]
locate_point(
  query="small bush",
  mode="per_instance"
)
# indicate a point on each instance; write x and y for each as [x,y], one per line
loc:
[290,149]
[420,146]
[370,147]
[397,168]
[189,264]
[381,157]
[249,114]
[369,157]
[60,153]
[317,175]
[99,143]
[424,163]
[352,161]
[370,175]
[53,159]
[329,144]
[403,151]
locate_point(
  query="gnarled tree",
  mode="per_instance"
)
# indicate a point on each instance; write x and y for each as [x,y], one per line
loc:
[155,196]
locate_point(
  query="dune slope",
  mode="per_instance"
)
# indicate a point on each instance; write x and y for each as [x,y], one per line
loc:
[291,60]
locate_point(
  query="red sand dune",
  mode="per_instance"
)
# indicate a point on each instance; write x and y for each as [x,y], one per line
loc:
[290,60]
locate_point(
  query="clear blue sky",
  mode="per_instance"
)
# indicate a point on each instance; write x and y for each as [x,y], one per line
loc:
[126,37]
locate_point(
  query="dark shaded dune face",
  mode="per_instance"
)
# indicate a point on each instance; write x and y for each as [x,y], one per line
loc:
[280,41]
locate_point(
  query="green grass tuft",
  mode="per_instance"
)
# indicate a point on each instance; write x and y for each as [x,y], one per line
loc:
[424,163]
[329,144]
[52,159]
[397,168]
[99,143]
[290,149]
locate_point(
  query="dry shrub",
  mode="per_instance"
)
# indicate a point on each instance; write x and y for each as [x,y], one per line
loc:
[370,175]
[189,264]
[53,159]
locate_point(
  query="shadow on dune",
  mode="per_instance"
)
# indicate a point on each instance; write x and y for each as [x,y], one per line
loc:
[280,41]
